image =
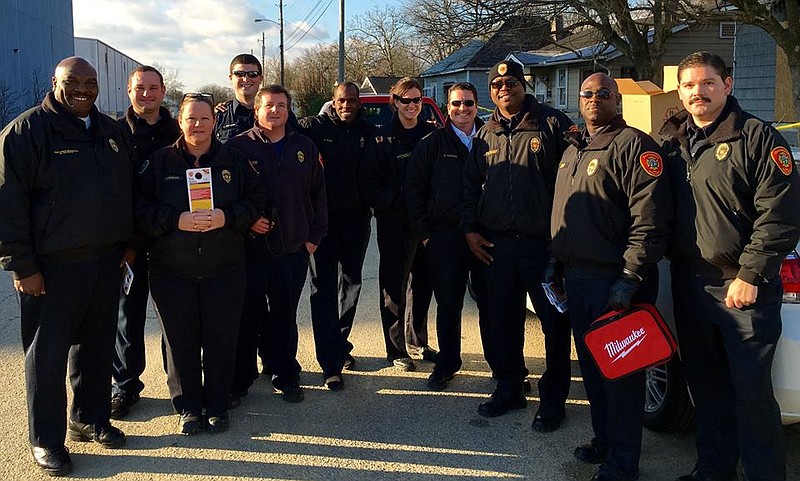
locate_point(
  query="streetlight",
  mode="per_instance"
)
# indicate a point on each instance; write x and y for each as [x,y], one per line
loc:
[257,20]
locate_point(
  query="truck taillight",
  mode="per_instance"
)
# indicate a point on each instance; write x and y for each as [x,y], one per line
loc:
[790,275]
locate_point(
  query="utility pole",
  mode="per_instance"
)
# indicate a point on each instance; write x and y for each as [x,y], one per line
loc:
[263,57]
[341,41]
[280,10]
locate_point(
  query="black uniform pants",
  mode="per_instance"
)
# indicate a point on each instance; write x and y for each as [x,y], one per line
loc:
[405,289]
[518,269]
[200,321]
[727,357]
[335,271]
[282,282]
[74,322]
[615,406]
[449,265]
[129,358]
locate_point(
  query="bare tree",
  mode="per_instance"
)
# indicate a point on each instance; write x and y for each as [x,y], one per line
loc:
[781,20]
[386,33]
[9,104]
[40,85]
[220,93]
[312,76]
[174,86]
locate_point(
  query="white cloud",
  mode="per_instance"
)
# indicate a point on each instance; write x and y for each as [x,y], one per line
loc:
[197,37]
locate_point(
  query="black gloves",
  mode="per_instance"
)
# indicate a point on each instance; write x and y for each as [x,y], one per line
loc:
[623,290]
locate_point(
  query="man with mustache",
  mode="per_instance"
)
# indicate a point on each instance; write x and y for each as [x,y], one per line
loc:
[736,195]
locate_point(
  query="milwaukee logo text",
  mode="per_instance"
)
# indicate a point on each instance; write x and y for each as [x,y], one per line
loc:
[621,348]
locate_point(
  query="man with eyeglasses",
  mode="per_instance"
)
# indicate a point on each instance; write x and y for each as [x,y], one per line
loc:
[508,192]
[612,214]
[151,127]
[737,217]
[65,213]
[341,133]
[235,116]
[433,193]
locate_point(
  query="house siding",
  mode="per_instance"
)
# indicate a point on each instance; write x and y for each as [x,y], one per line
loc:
[754,72]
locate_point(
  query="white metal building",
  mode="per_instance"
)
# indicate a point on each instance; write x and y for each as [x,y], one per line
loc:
[113,68]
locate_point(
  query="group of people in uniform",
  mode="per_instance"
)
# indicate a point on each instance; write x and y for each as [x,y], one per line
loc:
[523,199]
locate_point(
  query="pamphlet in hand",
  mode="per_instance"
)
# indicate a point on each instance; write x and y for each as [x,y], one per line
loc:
[556,296]
[201,194]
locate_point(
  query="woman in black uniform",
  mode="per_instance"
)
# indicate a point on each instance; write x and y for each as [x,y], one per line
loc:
[197,274]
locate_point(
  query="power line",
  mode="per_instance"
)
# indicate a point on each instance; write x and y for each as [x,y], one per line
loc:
[307,32]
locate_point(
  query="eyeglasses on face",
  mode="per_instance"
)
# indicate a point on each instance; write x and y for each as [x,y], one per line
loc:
[509,83]
[201,96]
[602,94]
[406,101]
[467,103]
[246,73]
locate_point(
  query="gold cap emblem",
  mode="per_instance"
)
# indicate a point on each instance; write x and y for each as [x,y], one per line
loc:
[502,69]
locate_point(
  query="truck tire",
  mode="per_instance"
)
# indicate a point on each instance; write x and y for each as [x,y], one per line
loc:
[668,407]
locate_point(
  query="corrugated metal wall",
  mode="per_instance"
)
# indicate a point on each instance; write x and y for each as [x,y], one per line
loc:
[113,68]
[34,37]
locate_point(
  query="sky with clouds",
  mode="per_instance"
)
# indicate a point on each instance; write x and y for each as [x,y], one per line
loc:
[199,37]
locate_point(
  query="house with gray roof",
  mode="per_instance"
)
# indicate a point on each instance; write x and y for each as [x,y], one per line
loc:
[472,62]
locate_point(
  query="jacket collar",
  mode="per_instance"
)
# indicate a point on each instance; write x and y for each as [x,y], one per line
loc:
[601,140]
[729,124]
[525,120]
[135,122]
[70,125]
[330,112]
[212,157]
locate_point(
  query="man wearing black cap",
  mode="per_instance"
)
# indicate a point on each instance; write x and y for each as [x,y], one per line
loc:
[508,190]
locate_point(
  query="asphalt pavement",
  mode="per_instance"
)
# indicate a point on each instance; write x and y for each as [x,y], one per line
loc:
[384,426]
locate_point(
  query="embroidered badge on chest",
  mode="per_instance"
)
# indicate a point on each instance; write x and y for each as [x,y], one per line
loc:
[301,157]
[723,151]
[592,168]
[652,163]
[226,176]
[536,145]
[783,159]
[113,145]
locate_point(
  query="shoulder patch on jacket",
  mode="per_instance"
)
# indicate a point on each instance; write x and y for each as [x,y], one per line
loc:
[783,159]
[651,163]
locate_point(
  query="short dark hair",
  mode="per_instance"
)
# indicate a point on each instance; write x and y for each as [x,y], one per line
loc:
[143,69]
[347,85]
[273,89]
[702,59]
[245,59]
[463,86]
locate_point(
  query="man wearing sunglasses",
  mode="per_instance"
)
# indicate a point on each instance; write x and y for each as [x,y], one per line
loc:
[508,191]
[612,214]
[236,116]
[433,193]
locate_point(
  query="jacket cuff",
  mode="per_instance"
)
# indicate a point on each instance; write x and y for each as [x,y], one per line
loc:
[634,272]
[749,276]
[24,272]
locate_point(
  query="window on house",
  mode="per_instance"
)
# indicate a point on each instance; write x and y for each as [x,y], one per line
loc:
[540,88]
[561,88]
[727,29]
[430,92]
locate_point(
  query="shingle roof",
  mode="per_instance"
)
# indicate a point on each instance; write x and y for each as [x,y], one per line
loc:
[378,85]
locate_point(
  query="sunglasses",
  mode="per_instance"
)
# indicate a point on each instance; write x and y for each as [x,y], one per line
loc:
[602,94]
[467,103]
[246,73]
[203,97]
[498,84]
[406,101]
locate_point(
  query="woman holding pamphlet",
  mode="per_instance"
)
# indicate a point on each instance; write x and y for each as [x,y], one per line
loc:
[197,198]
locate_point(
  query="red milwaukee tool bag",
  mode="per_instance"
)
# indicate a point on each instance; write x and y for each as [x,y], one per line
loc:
[624,342]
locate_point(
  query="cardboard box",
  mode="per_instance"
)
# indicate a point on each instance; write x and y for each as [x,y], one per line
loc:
[645,105]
